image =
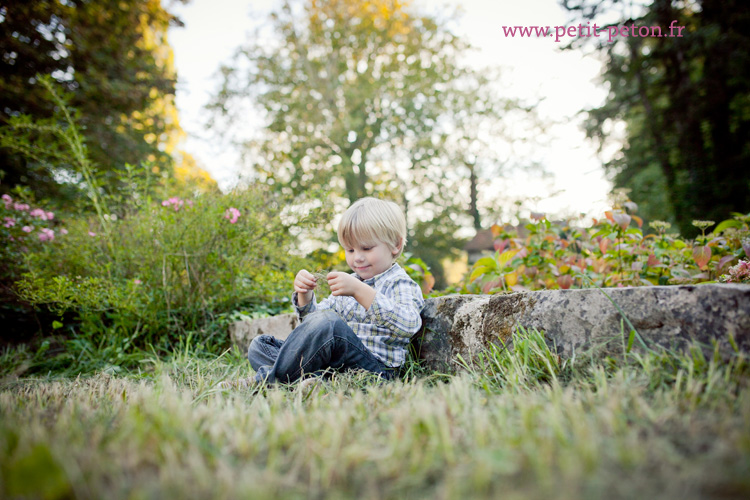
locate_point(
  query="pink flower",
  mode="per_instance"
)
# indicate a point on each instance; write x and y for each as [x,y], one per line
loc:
[137,281]
[63,231]
[10,222]
[7,200]
[50,215]
[92,234]
[21,206]
[232,214]
[38,212]
[46,234]
[27,229]
[739,273]
[174,201]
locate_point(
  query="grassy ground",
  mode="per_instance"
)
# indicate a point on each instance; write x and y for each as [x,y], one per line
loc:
[517,425]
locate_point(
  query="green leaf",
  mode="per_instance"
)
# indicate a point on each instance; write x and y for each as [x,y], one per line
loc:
[631,339]
[479,271]
[724,225]
[486,262]
[505,257]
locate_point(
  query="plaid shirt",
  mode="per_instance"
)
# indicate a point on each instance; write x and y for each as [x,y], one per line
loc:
[393,317]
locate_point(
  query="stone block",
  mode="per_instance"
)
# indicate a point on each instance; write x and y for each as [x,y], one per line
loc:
[577,320]
[243,332]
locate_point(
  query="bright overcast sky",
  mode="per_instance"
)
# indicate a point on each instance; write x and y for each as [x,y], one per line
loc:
[537,69]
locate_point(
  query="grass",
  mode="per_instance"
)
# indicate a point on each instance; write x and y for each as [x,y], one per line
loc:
[514,424]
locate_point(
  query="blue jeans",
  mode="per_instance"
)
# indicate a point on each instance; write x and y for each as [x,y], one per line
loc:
[322,341]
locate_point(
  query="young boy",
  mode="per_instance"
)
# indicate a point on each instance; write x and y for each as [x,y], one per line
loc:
[367,321]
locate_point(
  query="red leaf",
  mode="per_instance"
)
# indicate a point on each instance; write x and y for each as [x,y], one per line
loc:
[565,281]
[427,284]
[701,256]
[603,245]
[653,261]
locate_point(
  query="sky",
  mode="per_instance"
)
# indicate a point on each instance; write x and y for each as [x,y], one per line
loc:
[534,69]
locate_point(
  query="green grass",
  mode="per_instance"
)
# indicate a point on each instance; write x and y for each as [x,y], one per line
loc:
[521,424]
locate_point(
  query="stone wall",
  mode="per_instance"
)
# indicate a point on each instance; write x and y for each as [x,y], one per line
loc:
[573,320]
[578,320]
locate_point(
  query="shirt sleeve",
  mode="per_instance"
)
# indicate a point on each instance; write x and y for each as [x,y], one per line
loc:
[398,308]
[311,306]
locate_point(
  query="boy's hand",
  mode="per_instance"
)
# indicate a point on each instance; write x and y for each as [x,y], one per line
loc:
[304,284]
[346,284]
[342,283]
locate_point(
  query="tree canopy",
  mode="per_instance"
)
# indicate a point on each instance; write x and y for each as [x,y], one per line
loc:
[366,97]
[685,101]
[114,60]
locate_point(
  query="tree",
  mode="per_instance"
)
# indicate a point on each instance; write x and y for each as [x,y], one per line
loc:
[114,59]
[366,97]
[685,101]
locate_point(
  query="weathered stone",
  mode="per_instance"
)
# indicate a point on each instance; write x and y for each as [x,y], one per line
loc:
[573,321]
[243,332]
[577,320]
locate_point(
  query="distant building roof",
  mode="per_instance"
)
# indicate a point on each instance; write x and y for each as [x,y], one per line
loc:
[483,240]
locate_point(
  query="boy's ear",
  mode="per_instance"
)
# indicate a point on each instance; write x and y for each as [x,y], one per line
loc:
[398,247]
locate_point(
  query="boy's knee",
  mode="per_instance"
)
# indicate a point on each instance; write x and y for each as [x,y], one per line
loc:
[259,344]
[322,317]
[256,342]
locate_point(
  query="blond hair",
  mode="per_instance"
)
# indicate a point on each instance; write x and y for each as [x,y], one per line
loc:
[370,220]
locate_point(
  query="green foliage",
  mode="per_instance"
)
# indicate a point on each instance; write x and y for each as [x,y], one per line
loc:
[684,100]
[614,251]
[114,60]
[419,271]
[167,268]
[522,364]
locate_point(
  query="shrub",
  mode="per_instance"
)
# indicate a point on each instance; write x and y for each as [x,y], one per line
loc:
[613,251]
[171,267]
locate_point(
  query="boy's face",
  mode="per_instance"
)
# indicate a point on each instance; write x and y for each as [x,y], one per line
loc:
[370,259]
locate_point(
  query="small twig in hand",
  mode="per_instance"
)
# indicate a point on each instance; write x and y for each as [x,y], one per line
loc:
[322,280]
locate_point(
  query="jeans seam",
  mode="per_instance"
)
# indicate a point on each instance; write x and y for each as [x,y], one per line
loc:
[265,348]
[301,368]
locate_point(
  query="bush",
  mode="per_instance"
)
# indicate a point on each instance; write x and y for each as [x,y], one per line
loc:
[540,254]
[170,267]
